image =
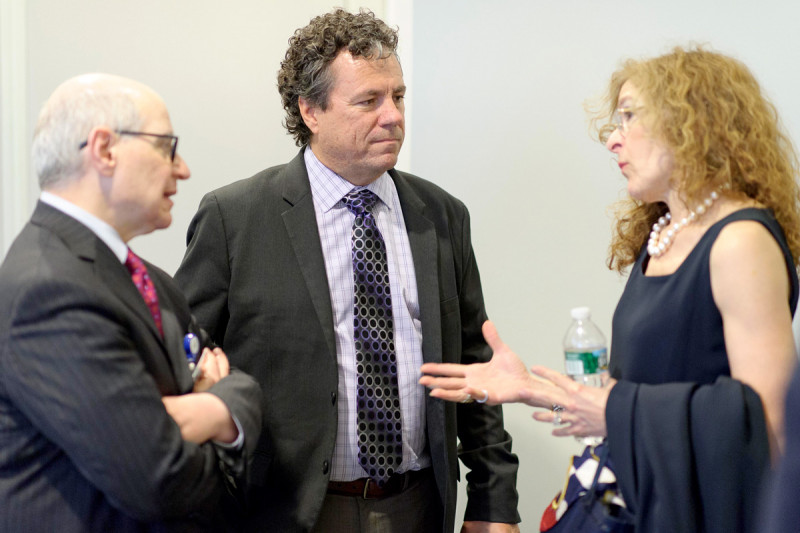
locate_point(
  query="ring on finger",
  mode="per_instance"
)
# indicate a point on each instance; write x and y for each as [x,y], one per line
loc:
[485,396]
[557,410]
[468,399]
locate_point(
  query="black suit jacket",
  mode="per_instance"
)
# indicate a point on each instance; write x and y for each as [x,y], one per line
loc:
[85,441]
[689,457]
[782,510]
[255,278]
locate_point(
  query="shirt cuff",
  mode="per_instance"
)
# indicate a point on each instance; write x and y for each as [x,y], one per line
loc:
[236,445]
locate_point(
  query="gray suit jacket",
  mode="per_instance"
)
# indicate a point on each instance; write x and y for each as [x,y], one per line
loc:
[255,278]
[85,441]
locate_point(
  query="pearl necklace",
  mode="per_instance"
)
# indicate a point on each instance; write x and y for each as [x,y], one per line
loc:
[656,248]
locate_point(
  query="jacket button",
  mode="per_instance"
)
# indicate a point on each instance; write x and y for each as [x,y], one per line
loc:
[333,398]
[325,466]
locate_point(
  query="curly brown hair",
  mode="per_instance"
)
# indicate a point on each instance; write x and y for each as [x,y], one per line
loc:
[723,132]
[305,71]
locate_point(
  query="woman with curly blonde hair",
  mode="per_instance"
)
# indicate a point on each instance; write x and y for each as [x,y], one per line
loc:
[702,345]
[722,133]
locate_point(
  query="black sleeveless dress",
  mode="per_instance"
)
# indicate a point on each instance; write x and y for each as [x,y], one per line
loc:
[688,443]
[668,328]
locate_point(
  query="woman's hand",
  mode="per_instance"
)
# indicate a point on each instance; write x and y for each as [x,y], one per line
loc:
[582,410]
[504,379]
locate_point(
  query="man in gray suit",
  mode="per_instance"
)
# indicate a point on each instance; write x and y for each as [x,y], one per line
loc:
[287,269]
[102,427]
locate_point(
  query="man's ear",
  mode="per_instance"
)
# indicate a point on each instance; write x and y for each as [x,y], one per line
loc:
[309,114]
[100,147]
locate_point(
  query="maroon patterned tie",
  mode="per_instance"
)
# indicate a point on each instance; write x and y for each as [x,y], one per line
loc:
[145,285]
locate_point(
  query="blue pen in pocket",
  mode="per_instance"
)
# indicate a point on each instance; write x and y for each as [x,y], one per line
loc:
[194,354]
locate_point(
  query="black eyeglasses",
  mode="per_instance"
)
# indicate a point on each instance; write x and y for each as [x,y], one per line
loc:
[170,148]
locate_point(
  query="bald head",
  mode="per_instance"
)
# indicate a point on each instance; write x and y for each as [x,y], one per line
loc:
[72,111]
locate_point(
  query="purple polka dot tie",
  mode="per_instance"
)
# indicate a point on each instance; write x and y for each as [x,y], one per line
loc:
[145,285]
[380,448]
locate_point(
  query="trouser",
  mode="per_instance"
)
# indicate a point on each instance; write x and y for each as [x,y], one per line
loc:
[416,509]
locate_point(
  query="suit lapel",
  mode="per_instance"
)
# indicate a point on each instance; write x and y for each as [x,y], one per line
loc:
[109,271]
[118,280]
[301,226]
[424,249]
[176,356]
[173,334]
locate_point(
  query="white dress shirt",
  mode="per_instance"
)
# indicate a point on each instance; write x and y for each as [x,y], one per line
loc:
[335,223]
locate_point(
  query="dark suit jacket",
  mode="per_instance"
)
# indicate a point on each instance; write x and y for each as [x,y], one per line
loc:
[254,275]
[783,511]
[85,441]
[689,457]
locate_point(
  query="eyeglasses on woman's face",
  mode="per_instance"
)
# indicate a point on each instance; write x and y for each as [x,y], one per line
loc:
[623,117]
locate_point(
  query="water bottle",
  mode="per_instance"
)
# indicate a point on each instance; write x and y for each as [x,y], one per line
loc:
[585,355]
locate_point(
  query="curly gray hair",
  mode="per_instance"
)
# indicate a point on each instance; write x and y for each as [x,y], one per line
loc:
[305,71]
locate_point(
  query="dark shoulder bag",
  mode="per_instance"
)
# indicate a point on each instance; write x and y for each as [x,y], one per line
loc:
[596,508]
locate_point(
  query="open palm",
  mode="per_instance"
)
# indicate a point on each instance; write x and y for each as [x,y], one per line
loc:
[500,380]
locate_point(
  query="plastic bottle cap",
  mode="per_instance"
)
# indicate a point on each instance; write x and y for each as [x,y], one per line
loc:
[580,313]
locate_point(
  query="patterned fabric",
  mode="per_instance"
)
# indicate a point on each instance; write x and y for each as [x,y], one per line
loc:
[335,226]
[380,450]
[580,476]
[146,288]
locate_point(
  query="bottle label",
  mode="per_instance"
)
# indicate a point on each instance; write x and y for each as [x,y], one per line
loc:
[588,362]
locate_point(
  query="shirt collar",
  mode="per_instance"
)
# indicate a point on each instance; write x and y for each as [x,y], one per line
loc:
[328,187]
[103,230]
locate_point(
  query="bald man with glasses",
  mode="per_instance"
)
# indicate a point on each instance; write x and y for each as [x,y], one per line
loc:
[116,411]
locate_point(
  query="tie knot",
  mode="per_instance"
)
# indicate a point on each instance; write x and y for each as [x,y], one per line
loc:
[360,201]
[133,263]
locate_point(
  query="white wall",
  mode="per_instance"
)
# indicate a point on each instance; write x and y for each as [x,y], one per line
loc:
[14,144]
[499,122]
[214,63]
[495,115]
